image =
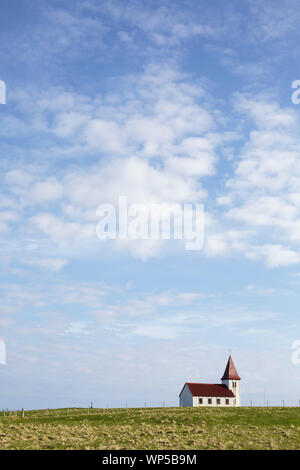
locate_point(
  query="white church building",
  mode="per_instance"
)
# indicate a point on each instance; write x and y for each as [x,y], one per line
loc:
[225,394]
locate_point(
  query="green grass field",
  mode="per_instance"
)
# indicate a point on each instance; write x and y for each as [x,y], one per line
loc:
[153,428]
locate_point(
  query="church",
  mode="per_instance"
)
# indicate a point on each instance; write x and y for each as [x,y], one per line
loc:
[225,394]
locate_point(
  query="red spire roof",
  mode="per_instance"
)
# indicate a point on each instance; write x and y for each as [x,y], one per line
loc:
[230,371]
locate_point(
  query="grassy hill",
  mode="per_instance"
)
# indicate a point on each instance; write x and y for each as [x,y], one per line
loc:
[153,428]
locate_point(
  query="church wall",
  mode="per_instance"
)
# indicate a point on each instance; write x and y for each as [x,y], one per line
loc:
[186,398]
[213,401]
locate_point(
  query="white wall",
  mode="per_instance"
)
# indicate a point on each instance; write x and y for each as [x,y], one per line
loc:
[236,390]
[186,398]
[213,401]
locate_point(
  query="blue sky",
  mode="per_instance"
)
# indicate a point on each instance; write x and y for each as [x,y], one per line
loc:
[164,102]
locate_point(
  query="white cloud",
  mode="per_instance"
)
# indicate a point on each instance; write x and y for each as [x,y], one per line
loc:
[59,230]
[6,219]
[52,264]
[152,143]
[69,123]
[257,332]
[216,245]
[78,329]
[262,196]
[165,26]
[49,190]
[105,136]
[157,143]
[275,255]
[158,331]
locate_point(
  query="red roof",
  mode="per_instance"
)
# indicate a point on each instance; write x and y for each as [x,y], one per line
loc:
[230,371]
[209,390]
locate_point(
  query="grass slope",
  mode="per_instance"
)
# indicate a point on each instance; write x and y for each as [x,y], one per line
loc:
[153,428]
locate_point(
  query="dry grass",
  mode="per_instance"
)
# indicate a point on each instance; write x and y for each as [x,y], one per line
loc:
[153,428]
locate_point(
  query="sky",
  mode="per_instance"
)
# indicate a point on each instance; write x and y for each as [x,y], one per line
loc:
[164,102]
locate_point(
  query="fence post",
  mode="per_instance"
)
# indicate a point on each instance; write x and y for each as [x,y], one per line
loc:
[22,413]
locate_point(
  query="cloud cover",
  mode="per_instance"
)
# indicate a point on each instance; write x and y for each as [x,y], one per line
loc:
[181,102]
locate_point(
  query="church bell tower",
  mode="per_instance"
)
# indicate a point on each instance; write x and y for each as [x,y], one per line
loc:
[232,380]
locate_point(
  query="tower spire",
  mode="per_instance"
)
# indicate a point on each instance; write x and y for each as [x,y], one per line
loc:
[230,372]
